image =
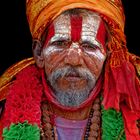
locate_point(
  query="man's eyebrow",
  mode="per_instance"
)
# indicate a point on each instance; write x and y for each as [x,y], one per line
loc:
[91,42]
[58,38]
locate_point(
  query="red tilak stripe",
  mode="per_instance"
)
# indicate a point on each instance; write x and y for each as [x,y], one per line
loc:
[101,33]
[76,28]
[50,34]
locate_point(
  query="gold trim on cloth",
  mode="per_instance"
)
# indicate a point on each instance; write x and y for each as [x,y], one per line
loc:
[6,78]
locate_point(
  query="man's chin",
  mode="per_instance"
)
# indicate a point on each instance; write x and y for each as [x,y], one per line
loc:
[71,83]
[71,97]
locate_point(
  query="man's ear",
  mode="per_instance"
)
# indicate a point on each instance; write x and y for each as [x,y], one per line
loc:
[37,53]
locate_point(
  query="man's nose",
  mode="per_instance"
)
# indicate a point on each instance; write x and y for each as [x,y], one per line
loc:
[74,55]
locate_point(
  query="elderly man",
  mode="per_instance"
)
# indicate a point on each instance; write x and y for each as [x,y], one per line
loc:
[83,83]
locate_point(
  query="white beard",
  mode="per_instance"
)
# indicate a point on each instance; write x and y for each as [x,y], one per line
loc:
[72,97]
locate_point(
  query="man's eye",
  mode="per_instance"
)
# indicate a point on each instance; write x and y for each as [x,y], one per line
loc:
[88,46]
[60,43]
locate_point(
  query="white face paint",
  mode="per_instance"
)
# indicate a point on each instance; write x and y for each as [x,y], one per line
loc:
[90,28]
[51,49]
[73,64]
[97,54]
[75,47]
[62,30]
[62,33]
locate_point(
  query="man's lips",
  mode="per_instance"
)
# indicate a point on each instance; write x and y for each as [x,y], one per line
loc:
[73,78]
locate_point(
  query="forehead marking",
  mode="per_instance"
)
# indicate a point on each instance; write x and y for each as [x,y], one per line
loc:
[50,35]
[90,27]
[76,27]
[102,34]
[62,28]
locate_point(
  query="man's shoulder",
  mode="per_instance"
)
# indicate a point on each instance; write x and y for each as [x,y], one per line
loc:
[7,78]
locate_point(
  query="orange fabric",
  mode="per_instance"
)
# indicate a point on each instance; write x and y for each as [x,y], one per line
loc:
[4,91]
[41,12]
[8,75]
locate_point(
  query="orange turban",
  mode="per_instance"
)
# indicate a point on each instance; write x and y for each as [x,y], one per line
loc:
[41,12]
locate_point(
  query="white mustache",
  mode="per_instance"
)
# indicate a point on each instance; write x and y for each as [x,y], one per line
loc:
[64,72]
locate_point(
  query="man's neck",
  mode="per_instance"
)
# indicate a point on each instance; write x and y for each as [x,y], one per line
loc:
[80,114]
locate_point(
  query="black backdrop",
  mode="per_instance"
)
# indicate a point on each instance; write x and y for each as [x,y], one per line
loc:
[16,38]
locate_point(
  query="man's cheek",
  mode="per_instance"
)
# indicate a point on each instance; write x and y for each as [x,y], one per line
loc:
[52,63]
[97,68]
[49,65]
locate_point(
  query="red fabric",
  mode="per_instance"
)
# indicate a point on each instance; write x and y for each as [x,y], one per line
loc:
[121,85]
[122,91]
[23,100]
[51,98]
[1,126]
[130,117]
[76,28]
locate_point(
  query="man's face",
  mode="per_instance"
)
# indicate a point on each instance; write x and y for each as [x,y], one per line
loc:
[74,55]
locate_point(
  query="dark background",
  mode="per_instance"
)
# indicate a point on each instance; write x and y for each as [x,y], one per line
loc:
[16,38]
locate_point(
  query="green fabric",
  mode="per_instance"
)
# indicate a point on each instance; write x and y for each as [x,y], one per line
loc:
[112,128]
[112,125]
[22,131]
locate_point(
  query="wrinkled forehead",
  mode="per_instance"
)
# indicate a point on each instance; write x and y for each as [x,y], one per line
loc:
[84,26]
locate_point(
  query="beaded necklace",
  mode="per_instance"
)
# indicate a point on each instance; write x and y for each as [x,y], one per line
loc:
[48,131]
